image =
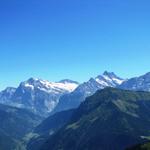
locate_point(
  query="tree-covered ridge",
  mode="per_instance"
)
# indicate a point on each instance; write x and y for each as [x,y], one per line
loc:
[111,119]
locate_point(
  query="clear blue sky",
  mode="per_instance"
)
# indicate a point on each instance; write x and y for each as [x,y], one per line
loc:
[76,39]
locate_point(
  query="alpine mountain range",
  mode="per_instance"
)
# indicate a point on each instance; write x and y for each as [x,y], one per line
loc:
[44,98]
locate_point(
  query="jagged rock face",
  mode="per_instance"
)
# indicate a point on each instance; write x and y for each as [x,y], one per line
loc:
[138,83]
[73,100]
[44,97]
[38,95]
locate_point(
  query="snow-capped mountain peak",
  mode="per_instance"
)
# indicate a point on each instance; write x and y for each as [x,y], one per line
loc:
[141,83]
[40,96]
[10,90]
[40,84]
[6,94]
[109,79]
[68,81]
[112,74]
[73,100]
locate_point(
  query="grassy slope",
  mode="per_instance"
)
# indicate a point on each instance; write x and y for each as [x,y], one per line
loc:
[111,119]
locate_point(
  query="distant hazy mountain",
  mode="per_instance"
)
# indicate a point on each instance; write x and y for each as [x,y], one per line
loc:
[40,96]
[138,83]
[73,100]
[15,123]
[6,95]
[111,119]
